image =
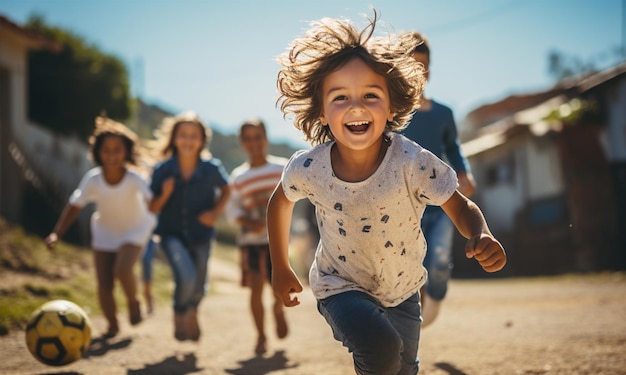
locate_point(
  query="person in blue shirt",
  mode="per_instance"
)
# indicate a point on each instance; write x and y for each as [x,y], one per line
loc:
[433,128]
[190,193]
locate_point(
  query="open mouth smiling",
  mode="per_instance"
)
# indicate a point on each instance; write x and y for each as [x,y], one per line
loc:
[358,126]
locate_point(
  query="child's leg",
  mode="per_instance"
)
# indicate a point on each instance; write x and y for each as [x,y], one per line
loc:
[438,260]
[200,257]
[146,273]
[438,231]
[279,313]
[362,325]
[127,256]
[243,252]
[406,319]
[256,280]
[104,262]
[184,272]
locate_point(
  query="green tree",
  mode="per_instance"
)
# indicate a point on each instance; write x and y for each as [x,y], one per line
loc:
[562,66]
[70,87]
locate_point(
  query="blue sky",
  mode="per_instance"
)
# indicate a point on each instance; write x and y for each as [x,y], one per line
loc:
[218,57]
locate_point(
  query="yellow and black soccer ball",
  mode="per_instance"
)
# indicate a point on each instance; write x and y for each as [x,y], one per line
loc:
[58,333]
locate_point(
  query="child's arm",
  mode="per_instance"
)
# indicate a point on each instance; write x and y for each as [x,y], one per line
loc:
[252,225]
[470,222]
[69,214]
[167,189]
[467,184]
[284,279]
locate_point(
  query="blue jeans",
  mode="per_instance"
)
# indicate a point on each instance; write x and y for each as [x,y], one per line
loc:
[190,267]
[146,260]
[382,340]
[438,230]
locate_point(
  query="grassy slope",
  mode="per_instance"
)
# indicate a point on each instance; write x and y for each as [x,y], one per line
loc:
[31,275]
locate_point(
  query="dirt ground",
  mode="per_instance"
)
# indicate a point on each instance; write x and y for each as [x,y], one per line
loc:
[570,325]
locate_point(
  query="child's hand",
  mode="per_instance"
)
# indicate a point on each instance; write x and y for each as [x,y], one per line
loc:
[52,240]
[256,226]
[284,284]
[208,218]
[487,251]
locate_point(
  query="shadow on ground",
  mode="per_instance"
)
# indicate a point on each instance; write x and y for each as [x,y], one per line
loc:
[170,366]
[449,368]
[102,345]
[262,365]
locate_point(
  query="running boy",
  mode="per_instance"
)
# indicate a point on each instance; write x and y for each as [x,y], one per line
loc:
[348,92]
[433,127]
[252,184]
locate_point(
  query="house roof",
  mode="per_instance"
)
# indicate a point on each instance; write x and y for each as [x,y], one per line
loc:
[493,112]
[489,113]
[34,39]
[497,122]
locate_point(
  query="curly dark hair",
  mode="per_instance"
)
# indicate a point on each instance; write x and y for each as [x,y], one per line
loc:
[327,46]
[105,127]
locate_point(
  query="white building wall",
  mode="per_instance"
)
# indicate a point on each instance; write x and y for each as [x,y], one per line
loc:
[614,138]
[61,160]
[544,172]
[13,56]
[500,201]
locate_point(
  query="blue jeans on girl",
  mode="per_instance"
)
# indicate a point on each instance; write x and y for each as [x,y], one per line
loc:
[189,265]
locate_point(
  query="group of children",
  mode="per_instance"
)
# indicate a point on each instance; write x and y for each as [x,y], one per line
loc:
[187,193]
[351,94]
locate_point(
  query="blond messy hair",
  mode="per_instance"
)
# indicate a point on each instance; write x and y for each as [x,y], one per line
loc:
[327,46]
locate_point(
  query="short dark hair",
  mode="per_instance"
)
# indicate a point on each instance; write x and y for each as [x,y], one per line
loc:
[422,48]
[414,42]
[254,123]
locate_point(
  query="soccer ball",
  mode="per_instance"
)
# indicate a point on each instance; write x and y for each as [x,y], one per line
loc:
[58,333]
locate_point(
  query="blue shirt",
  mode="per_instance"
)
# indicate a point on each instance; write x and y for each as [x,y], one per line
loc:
[179,215]
[435,130]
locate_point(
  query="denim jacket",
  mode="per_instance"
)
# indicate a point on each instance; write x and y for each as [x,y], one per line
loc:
[179,216]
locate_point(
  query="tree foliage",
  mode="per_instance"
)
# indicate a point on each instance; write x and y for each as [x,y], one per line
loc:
[70,87]
[561,66]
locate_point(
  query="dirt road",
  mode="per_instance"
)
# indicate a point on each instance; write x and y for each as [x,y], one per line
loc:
[569,325]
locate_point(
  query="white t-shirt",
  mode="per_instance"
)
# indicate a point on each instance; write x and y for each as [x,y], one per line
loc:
[251,189]
[370,236]
[122,215]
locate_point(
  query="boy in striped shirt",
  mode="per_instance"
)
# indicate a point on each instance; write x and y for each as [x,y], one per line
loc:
[252,184]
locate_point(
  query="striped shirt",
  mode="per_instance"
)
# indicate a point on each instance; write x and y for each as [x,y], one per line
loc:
[251,188]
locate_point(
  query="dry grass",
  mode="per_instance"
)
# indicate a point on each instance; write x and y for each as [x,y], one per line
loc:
[30,275]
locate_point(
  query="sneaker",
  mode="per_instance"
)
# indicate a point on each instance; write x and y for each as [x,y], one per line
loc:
[430,310]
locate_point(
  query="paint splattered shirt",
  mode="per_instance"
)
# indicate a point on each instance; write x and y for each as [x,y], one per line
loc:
[370,236]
